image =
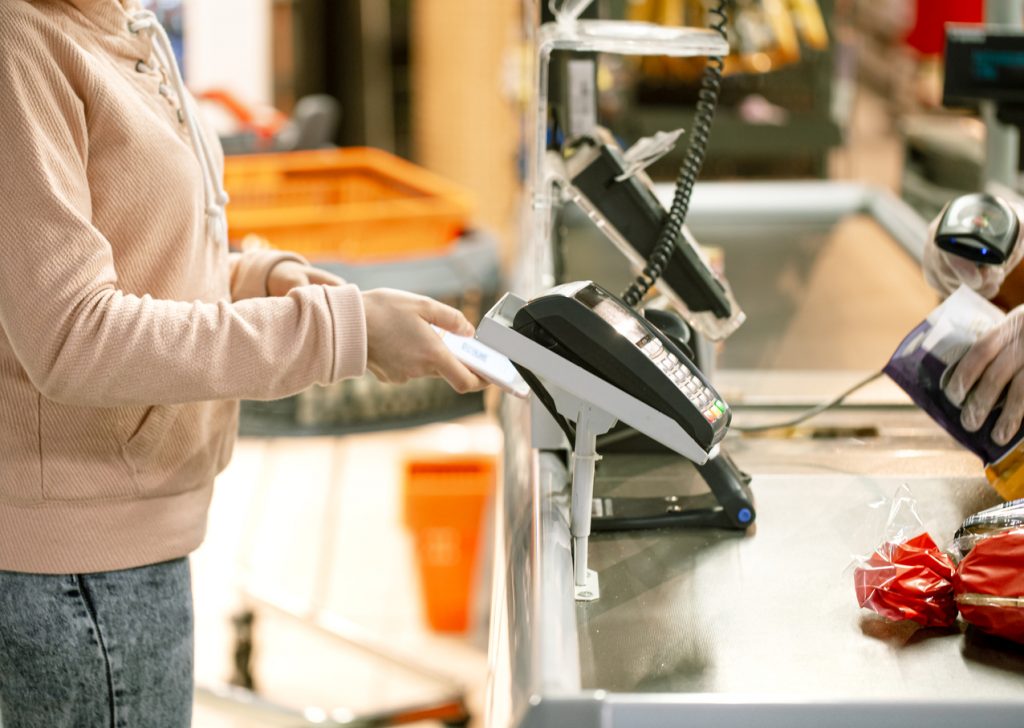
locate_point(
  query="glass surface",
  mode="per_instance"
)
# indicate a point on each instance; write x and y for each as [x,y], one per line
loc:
[839,299]
[704,322]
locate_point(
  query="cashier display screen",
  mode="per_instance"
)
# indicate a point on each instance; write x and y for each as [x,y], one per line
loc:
[998,69]
[622,319]
[983,64]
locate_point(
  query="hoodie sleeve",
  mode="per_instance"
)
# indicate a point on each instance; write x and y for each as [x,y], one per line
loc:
[84,341]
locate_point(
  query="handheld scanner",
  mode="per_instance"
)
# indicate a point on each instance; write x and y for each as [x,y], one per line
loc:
[979,227]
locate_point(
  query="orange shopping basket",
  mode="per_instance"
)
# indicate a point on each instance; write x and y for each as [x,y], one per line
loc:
[346,205]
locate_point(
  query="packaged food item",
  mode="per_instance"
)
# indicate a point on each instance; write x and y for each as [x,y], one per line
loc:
[907,576]
[989,585]
[922,365]
[910,580]
[998,519]
[989,582]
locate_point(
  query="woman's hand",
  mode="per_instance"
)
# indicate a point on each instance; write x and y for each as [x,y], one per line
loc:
[995,361]
[289,274]
[400,345]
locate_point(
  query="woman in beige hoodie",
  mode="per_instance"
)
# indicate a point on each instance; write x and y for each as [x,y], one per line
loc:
[127,334]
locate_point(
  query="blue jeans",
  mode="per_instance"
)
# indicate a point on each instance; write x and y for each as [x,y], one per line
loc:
[112,649]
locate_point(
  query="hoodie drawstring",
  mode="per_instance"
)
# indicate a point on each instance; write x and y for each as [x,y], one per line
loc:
[215,196]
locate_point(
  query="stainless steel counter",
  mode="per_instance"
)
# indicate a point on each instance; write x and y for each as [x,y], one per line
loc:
[707,627]
[773,612]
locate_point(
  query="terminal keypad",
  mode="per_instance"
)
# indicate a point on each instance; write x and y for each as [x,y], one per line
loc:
[678,373]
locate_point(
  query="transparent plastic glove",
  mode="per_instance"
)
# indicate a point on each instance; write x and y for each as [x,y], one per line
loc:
[945,272]
[400,345]
[994,362]
[289,274]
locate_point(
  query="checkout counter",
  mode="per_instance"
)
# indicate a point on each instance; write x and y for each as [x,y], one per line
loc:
[711,627]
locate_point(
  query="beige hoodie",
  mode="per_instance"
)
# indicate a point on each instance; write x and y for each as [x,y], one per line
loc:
[127,330]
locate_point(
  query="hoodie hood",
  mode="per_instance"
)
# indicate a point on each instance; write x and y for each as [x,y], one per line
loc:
[136,31]
[110,15]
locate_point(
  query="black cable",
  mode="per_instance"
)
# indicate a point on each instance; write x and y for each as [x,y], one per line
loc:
[548,401]
[700,134]
[812,412]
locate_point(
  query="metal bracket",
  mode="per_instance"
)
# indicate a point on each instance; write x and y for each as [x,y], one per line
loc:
[590,589]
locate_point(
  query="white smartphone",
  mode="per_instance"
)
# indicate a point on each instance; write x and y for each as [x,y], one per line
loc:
[485,361]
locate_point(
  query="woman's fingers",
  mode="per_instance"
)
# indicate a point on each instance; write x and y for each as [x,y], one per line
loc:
[448,318]
[401,345]
[289,274]
[460,377]
[321,277]
[285,276]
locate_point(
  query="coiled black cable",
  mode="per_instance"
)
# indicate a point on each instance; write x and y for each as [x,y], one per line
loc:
[700,134]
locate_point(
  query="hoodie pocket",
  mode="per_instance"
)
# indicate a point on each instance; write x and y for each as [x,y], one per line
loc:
[170,451]
[150,434]
[81,452]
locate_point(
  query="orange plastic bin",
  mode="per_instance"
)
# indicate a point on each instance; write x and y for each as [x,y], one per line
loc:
[444,502]
[345,205]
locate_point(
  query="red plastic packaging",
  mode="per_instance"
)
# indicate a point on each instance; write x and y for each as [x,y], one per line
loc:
[911,580]
[989,585]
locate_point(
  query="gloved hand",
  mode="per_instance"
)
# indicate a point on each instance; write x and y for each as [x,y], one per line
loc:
[400,345]
[993,362]
[946,272]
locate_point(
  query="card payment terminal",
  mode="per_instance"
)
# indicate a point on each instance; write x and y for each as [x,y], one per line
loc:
[584,324]
[587,325]
[592,361]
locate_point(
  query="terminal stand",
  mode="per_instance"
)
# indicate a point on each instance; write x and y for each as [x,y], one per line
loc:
[574,393]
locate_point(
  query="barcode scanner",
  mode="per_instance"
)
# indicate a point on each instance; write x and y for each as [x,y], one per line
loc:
[979,227]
